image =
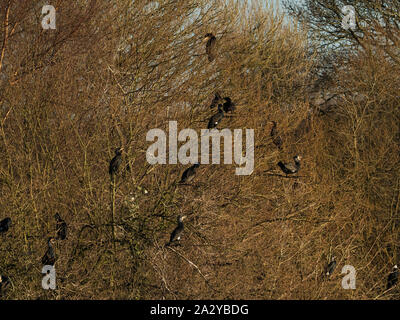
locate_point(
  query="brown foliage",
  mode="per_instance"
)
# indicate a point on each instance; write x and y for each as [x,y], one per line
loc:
[108,74]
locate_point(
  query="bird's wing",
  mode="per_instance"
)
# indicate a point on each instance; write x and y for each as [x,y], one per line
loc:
[282,165]
[173,234]
[291,167]
[211,123]
[184,175]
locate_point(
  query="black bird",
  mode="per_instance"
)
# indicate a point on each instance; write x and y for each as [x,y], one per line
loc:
[216,118]
[392,278]
[49,257]
[276,138]
[290,168]
[210,45]
[61,227]
[176,234]
[330,267]
[5,224]
[228,105]
[115,162]
[216,100]
[4,284]
[189,173]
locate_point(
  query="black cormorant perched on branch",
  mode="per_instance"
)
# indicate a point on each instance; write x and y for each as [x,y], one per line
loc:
[115,162]
[216,118]
[392,278]
[276,138]
[189,173]
[217,98]
[330,267]
[176,234]
[5,224]
[4,284]
[228,105]
[61,227]
[49,257]
[289,168]
[210,46]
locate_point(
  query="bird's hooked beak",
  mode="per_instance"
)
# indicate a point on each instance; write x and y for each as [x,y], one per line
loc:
[206,38]
[183,217]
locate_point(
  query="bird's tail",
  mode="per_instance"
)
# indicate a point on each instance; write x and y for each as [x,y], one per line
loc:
[280,164]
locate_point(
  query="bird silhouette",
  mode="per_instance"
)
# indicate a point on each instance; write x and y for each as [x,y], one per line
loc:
[289,168]
[216,118]
[392,278]
[177,233]
[228,105]
[5,224]
[115,162]
[49,257]
[189,173]
[4,284]
[211,41]
[330,267]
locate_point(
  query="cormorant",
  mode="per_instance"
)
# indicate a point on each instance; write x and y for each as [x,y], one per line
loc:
[4,284]
[210,46]
[228,105]
[290,168]
[189,173]
[216,118]
[217,98]
[276,139]
[176,234]
[330,267]
[49,257]
[61,227]
[5,224]
[115,162]
[392,278]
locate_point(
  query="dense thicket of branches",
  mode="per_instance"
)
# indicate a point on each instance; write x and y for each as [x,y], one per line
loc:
[113,70]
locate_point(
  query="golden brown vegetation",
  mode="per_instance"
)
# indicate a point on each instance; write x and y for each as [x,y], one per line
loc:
[113,70]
